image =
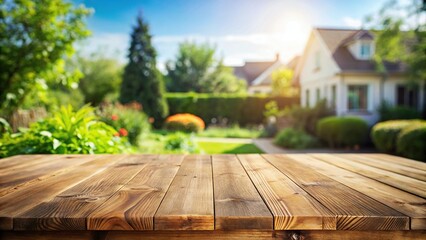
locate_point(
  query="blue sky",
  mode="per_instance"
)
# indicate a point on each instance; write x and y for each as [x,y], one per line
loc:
[239,29]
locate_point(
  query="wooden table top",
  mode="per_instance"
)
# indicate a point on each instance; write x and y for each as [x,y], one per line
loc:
[212,192]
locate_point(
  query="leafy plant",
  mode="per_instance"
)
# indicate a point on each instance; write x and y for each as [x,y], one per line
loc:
[65,132]
[307,118]
[411,141]
[295,139]
[180,142]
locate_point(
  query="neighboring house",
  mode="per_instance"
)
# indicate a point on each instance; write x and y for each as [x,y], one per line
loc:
[337,66]
[258,74]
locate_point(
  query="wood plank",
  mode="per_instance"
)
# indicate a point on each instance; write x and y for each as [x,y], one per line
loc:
[408,184]
[69,209]
[398,160]
[354,210]
[238,205]
[188,204]
[51,235]
[15,177]
[18,202]
[290,205]
[10,162]
[133,207]
[408,204]
[389,166]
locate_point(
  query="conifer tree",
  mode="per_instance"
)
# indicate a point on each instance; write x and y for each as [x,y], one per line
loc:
[142,82]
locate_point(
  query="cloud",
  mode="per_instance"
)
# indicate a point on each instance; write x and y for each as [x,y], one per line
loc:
[113,45]
[352,22]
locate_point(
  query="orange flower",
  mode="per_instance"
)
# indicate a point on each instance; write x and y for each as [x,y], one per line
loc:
[114,117]
[187,118]
[151,120]
[123,132]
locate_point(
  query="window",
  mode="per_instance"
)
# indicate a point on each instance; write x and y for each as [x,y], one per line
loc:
[333,96]
[365,50]
[318,93]
[357,97]
[317,60]
[406,96]
[307,98]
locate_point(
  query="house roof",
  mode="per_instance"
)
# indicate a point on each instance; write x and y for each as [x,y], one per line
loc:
[336,41]
[250,71]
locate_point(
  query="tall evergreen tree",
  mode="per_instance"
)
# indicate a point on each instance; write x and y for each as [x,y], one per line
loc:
[142,82]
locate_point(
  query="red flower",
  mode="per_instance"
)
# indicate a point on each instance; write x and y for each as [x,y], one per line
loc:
[151,120]
[114,117]
[123,132]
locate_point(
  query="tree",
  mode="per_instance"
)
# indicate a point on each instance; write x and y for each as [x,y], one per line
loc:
[35,36]
[142,82]
[101,76]
[282,83]
[196,69]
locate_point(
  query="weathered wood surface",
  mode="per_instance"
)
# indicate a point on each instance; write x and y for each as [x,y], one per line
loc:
[336,196]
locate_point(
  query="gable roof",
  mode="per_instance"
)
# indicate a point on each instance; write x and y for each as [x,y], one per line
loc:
[336,41]
[252,70]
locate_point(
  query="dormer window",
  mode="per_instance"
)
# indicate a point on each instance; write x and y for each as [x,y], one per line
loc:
[365,50]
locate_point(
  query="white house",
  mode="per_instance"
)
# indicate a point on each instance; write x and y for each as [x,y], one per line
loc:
[337,66]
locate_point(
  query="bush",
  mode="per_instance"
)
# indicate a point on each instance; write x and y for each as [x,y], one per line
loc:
[230,132]
[295,139]
[127,119]
[180,142]
[411,141]
[184,122]
[388,112]
[307,118]
[342,131]
[64,133]
[384,134]
[237,108]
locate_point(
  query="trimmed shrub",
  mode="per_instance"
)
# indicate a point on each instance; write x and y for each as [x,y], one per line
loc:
[342,131]
[388,112]
[236,108]
[184,122]
[295,139]
[411,141]
[307,118]
[384,134]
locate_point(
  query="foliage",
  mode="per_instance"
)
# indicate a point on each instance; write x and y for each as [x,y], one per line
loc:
[184,122]
[63,97]
[230,132]
[272,110]
[228,148]
[385,134]
[388,112]
[180,142]
[306,118]
[411,141]
[35,36]
[128,120]
[101,76]
[282,84]
[66,132]
[236,108]
[342,131]
[196,69]
[142,82]
[295,139]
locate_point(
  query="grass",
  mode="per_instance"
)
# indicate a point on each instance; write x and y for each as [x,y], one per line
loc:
[218,147]
[230,132]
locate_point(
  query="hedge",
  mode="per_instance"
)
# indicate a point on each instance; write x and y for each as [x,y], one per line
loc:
[342,131]
[384,134]
[411,141]
[237,108]
[295,139]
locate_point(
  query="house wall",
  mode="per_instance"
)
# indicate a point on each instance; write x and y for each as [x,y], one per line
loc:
[313,77]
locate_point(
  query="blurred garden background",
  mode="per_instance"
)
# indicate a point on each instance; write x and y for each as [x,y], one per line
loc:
[55,98]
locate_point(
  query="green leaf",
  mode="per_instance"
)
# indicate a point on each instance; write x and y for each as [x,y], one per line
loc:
[56,143]
[46,134]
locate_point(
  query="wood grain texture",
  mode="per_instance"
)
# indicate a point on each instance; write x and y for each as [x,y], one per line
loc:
[69,209]
[37,169]
[188,204]
[290,205]
[408,184]
[31,195]
[388,165]
[355,211]
[133,207]
[386,158]
[406,203]
[238,205]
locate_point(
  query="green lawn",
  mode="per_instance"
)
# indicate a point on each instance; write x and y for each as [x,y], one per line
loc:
[230,132]
[218,147]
